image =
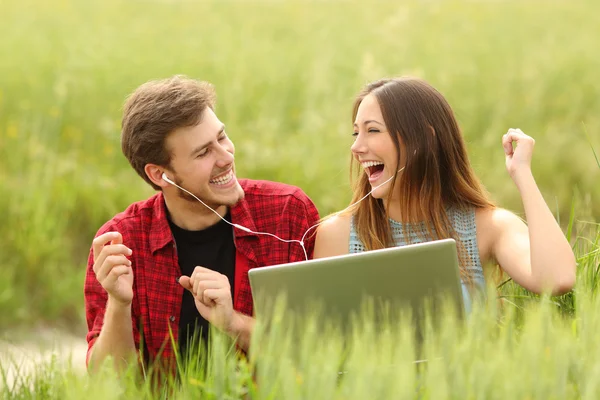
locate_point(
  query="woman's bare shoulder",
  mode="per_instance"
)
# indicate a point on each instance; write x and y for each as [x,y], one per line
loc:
[333,236]
[337,223]
[493,218]
[491,223]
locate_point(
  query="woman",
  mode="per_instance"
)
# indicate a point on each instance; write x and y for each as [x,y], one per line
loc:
[411,155]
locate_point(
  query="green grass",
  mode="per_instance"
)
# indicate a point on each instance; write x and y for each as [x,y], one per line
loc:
[499,352]
[286,73]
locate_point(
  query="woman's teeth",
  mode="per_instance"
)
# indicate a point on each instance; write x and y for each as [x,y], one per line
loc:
[368,164]
[225,179]
[373,167]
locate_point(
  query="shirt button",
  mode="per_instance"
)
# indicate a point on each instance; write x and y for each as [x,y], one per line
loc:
[172,318]
[177,279]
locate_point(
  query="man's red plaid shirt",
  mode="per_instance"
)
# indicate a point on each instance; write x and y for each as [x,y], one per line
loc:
[267,207]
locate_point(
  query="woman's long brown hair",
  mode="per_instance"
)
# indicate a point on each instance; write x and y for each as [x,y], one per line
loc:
[437,173]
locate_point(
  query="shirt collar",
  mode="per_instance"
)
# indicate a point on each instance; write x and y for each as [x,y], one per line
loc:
[160,234]
[245,241]
[240,215]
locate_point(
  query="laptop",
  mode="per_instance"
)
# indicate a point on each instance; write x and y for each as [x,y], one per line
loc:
[413,276]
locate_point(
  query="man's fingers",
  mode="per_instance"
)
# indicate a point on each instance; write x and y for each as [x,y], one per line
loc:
[203,280]
[208,276]
[116,272]
[110,263]
[117,240]
[99,242]
[203,285]
[199,269]
[186,283]
[195,285]
[214,296]
[110,250]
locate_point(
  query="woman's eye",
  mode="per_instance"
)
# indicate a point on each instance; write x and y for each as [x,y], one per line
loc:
[355,134]
[373,130]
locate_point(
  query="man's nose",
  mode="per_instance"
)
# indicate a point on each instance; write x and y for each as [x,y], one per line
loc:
[225,156]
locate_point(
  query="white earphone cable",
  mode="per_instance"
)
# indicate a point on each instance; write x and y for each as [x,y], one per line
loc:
[301,241]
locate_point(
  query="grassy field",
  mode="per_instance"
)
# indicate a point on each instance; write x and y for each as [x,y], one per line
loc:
[286,73]
[506,352]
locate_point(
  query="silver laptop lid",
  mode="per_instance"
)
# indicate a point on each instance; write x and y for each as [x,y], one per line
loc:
[401,276]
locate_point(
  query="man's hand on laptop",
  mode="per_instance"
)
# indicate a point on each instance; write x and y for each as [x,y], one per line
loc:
[113,268]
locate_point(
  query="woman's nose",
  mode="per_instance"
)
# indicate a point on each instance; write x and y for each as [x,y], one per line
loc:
[359,145]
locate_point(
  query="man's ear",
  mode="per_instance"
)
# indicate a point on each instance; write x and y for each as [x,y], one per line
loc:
[154,173]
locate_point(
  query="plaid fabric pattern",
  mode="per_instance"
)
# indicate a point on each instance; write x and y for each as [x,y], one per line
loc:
[271,207]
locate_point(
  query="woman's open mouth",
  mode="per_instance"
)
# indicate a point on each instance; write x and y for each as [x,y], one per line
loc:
[374,169]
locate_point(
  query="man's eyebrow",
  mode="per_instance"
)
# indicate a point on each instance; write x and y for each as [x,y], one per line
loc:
[205,145]
[368,121]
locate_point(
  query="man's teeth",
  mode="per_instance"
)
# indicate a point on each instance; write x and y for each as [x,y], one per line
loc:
[224,179]
[368,164]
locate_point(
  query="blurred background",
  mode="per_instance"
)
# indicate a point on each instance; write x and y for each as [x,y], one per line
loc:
[286,73]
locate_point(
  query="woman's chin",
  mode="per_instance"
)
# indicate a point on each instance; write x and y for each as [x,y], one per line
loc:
[379,193]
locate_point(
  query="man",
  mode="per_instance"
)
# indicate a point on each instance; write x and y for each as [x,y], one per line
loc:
[172,264]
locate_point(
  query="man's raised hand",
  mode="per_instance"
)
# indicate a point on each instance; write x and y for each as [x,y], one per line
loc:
[113,268]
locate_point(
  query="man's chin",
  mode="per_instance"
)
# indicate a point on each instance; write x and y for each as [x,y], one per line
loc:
[239,195]
[215,200]
[234,196]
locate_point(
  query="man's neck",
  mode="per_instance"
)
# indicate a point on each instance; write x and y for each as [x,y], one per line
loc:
[192,217]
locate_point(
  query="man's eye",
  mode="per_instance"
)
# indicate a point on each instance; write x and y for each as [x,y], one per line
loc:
[223,137]
[203,153]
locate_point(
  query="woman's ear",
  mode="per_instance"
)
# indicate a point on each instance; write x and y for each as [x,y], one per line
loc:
[431,129]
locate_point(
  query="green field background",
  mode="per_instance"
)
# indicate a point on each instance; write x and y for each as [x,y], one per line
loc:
[286,73]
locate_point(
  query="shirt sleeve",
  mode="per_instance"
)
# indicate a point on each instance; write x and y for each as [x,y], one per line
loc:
[95,298]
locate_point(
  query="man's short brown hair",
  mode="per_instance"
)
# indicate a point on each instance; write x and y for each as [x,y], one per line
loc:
[156,109]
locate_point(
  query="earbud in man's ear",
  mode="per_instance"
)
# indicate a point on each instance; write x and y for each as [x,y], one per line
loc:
[164,176]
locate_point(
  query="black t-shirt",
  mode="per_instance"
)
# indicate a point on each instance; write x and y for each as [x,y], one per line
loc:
[211,248]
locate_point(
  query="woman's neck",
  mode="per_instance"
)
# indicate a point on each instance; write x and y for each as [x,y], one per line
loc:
[393,210]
